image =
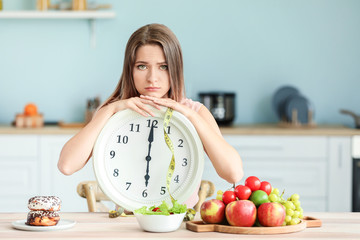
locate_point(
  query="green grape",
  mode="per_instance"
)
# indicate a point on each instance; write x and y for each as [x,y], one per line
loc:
[289,205]
[273,197]
[297,204]
[295,221]
[219,195]
[275,191]
[289,212]
[300,209]
[296,214]
[288,218]
[295,197]
[284,223]
[301,216]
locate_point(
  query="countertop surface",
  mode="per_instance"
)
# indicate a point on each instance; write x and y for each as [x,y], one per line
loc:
[256,129]
[100,226]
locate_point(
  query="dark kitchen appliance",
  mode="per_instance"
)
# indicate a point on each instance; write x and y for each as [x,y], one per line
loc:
[356,174]
[221,105]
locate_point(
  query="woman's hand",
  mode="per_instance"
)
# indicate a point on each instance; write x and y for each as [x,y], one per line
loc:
[170,103]
[139,105]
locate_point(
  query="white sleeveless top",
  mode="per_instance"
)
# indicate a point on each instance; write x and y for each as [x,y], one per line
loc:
[194,105]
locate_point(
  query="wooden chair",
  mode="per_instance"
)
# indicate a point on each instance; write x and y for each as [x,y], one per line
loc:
[93,194]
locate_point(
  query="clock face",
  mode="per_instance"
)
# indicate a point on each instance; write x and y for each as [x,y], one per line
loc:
[131,159]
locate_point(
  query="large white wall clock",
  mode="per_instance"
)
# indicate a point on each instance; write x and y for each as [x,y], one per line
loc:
[131,159]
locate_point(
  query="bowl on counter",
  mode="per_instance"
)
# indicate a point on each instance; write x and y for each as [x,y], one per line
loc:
[160,223]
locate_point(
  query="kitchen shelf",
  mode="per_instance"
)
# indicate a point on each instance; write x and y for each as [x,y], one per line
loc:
[87,15]
[57,14]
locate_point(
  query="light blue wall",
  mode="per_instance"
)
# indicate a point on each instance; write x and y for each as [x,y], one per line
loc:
[250,47]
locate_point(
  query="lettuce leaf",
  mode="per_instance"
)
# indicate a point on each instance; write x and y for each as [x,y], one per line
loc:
[163,209]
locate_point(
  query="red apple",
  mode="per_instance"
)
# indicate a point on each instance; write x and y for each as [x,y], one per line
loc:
[271,214]
[212,211]
[241,213]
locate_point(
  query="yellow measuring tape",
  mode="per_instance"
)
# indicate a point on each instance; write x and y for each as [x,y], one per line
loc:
[190,213]
[171,168]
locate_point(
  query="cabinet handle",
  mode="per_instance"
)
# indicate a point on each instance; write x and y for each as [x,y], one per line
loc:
[340,156]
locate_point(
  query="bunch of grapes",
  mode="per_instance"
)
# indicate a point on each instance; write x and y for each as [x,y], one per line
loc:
[292,205]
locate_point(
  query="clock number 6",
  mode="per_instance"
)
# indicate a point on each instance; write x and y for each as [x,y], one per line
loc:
[144,193]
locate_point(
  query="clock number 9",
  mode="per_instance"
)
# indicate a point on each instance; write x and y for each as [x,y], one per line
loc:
[112,154]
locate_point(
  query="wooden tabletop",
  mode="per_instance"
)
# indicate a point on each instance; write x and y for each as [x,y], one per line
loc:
[100,226]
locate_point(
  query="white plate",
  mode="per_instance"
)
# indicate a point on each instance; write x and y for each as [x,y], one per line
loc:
[62,224]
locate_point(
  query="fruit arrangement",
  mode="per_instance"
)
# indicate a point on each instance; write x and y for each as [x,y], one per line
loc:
[30,117]
[256,203]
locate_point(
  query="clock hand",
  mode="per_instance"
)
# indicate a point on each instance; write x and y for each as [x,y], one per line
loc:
[148,157]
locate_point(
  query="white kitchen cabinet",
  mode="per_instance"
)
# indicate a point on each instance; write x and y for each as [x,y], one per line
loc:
[340,174]
[56,183]
[19,171]
[307,165]
[28,167]
[317,167]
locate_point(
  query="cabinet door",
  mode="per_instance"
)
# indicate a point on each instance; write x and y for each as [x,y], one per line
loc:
[340,174]
[19,171]
[54,182]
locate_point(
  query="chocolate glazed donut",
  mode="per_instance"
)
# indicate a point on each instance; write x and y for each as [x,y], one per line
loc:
[42,218]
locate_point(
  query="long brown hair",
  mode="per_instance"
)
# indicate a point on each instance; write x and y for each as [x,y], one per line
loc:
[151,34]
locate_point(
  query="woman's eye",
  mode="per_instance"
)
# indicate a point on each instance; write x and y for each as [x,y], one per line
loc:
[164,67]
[141,67]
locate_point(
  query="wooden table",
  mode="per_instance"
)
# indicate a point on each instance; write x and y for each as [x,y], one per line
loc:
[100,226]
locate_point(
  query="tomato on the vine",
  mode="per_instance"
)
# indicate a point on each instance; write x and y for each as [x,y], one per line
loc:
[253,183]
[242,192]
[228,197]
[266,187]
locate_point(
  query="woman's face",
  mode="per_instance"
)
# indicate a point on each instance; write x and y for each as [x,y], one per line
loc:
[150,73]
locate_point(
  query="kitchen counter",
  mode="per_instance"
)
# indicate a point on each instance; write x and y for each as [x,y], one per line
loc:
[256,129]
[100,226]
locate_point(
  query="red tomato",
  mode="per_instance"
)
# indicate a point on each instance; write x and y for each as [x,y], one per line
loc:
[228,197]
[266,187]
[242,192]
[253,183]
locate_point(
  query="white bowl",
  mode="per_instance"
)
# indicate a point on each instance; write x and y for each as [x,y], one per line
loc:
[160,223]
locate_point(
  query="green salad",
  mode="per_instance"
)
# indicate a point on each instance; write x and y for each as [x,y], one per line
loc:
[163,209]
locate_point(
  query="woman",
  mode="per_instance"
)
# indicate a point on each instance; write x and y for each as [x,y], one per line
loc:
[153,75]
